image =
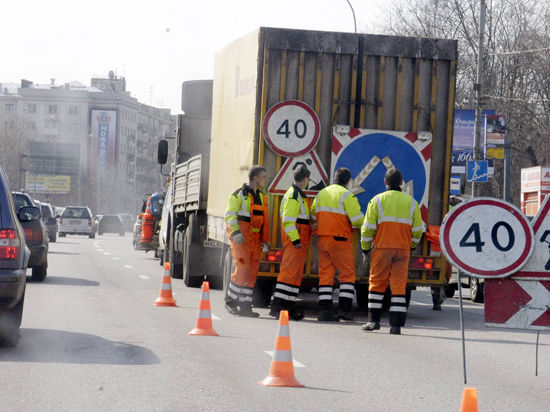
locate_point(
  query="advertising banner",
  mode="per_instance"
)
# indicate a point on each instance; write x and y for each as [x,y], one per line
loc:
[58,184]
[104,129]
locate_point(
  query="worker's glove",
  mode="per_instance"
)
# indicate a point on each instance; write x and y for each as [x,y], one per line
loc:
[365,257]
[298,245]
[238,238]
[265,247]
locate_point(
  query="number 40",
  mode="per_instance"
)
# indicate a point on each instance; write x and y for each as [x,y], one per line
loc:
[478,244]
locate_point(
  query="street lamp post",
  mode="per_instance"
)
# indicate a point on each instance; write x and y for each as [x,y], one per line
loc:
[477,89]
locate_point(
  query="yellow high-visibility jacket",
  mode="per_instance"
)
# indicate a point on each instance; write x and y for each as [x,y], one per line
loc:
[393,220]
[336,212]
[294,211]
[244,208]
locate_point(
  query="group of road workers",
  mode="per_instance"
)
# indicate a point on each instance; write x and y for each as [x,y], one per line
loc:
[391,227]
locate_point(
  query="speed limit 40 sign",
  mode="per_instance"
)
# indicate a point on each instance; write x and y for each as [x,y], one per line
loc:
[291,128]
[487,238]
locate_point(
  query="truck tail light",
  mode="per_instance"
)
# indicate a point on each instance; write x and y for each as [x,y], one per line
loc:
[9,244]
[60,220]
[89,221]
[422,263]
[274,256]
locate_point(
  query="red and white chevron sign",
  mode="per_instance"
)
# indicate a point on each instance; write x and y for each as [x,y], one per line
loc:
[522,301]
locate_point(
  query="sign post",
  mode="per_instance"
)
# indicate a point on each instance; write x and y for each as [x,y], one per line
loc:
[486,238]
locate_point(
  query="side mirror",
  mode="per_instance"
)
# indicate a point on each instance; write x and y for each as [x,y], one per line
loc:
[28,214]
[162,151]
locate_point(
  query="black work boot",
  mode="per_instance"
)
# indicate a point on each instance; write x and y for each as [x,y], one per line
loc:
[370,326]
[395,330]
[276,306]
[327,315]
[245,309]
[231,307]
[294,313]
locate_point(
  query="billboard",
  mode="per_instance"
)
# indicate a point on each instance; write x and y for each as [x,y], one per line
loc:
[37,183]
[104,135]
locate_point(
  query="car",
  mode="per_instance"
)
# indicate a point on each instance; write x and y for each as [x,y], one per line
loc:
[110,224]
[14,258]
[48,216]
[36,237]
[128,221]
[76,220]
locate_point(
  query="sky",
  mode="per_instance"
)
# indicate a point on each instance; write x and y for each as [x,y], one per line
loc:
[155,44]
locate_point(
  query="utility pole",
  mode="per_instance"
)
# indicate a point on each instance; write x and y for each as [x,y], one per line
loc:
[477,89]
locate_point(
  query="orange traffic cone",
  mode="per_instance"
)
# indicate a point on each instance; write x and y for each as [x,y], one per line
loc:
[204,318]
[281,372]
[165,298]
[469,400]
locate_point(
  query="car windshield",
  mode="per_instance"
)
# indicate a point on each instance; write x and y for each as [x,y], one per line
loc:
[46,212]
[76,213]
[22,201]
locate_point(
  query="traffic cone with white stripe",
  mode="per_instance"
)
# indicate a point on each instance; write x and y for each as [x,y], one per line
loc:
[469,400]
[281,372]
[204,318]
[165,298]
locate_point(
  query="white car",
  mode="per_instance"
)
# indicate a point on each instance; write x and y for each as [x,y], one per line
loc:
[76,220]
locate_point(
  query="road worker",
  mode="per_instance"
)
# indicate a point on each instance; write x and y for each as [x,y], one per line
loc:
[247,220]
[296,233]
[337,212]
[393,225]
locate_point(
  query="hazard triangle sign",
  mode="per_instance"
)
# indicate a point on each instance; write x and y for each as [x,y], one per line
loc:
[284,179]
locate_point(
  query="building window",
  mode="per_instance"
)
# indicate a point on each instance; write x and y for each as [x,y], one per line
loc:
[50,124]
[52,109]
[73,109]
[30,108]
[10,108]
[31,125]
[73,127]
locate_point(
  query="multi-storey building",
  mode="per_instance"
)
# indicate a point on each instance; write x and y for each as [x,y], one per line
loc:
[74,144]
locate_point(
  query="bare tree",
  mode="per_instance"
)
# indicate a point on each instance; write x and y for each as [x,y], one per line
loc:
[516,69]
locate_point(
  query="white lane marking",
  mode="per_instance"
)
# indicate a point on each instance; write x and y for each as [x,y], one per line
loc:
[100,250]
[214,316]
[294,361]
[115,258]
[106,253]
[420,303]
[128,266]
[144,277]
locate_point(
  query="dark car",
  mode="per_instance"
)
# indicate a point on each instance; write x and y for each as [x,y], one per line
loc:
[36,237]
[110,224]
[14,256]
[48,217]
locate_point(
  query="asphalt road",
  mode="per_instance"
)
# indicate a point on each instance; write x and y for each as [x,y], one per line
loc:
[92,340]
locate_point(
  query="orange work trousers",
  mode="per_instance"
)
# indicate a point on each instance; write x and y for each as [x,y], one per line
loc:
[246,257]
[389,266]
[292,265]
[335,255]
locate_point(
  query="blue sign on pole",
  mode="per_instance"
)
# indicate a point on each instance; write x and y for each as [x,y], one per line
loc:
[477,171]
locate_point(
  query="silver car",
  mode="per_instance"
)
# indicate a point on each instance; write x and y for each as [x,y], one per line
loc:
[76,220]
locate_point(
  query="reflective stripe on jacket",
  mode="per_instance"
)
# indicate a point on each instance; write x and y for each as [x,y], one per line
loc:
[393,220]
[294,212]
[336,211]
[247,207]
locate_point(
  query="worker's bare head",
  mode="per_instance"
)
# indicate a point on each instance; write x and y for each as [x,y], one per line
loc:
[342,176]
[257,177]
[301,177]
[393,179]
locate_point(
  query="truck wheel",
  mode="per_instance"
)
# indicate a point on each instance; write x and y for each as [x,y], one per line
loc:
[449,291]
[476,290]
[192,256]
[10,322]
[39,272]
[91,235]
[176,267]
[362,294]
[53,238]
[262,292]
[62,234]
